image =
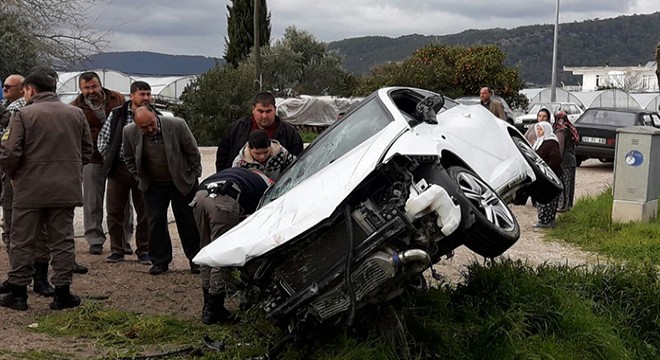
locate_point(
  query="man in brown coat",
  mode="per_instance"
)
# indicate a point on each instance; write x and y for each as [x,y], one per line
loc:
[96,103]
[494,106]
[43,152]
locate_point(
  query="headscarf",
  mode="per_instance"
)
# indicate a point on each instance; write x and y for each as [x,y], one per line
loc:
[562,122]
[547,134]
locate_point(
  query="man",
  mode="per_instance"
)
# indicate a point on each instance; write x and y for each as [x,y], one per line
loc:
[162,154]
[121,183]
[218,205]
[96,103]
[494,106]
[12,91]
[264,154]
[263,117]
[43,152]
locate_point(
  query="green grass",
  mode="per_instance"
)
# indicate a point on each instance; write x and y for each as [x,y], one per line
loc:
[308,136]
[589,226]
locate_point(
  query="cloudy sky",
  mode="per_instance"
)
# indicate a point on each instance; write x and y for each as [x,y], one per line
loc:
[198,27]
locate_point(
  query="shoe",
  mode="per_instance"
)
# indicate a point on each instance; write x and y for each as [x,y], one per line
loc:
[96,249]
[158,269]
[543,225]
[40,280]
[216,313]
[64,299]
[80,269]
[195,269]
[128,251]
[114,258]
[5,287]
[16,299]
[562,210]
[144,259]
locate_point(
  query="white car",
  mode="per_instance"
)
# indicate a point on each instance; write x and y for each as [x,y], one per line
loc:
[402,180]
[572,110]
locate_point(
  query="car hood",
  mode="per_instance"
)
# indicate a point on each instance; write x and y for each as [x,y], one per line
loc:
[302,207]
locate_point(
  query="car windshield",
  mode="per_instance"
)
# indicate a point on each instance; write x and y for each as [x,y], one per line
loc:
[553,108]
[608,117]
[345,135]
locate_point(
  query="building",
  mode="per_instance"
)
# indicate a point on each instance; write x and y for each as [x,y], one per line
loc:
[632,79]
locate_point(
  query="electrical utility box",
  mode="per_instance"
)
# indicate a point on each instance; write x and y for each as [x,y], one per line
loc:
[636,174]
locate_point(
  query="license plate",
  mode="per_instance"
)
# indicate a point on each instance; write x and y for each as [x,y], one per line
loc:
[526,126]
[595,140]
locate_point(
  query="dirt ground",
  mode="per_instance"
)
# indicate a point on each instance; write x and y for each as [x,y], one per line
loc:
[128,286]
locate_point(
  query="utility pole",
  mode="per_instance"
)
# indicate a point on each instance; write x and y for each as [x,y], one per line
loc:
[553,86]
[257,48]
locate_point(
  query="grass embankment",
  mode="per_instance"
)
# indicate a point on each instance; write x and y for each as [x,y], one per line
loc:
[505,310]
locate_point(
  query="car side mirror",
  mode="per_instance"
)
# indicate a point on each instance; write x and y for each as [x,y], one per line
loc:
[427,109]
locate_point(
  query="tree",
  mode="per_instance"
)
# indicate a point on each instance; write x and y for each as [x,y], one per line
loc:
[35,32]
[453,70]
[240,29]
[657,62]
[301,64]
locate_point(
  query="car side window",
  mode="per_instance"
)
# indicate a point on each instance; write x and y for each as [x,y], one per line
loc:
[655,118]
[646,118]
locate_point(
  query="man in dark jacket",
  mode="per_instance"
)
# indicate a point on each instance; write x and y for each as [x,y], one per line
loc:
[43,152]
[96,103]
[263,117]
[219,203]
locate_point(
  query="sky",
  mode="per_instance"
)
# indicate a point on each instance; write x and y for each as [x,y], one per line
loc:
[199,27]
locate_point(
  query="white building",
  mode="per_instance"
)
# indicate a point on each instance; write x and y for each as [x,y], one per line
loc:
[633,79]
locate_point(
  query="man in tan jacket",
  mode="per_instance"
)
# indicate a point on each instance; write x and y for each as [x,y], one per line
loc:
[43,152]
[493,105]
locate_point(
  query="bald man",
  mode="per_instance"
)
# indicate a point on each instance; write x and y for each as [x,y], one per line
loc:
[493,105]
[162,154]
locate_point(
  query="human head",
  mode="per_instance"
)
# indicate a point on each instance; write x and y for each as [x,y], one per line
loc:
[90,86]
[259,146]
[50,73]
[543,128]
[35,83]
[263,109]
[140,94]
[145,119]
[12,87]
[543,115]
[560,118]
[485,93]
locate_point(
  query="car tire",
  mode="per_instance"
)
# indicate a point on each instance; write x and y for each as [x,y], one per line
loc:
[547,185]
[495,228]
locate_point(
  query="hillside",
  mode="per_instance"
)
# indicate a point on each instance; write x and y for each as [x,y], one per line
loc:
[149,63]
[625,40]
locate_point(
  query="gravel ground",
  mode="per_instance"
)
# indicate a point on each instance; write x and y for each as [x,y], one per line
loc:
[127,285]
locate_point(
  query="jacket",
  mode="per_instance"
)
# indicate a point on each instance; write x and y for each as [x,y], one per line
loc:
[183,157]
[550,153]
[237,135]
[44,150]
[497,109]
[278,160]
[113,100]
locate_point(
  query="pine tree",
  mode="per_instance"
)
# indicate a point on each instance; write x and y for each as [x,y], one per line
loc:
[240,29]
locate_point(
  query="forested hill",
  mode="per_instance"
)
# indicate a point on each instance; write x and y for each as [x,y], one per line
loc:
[625,40]
[149,63]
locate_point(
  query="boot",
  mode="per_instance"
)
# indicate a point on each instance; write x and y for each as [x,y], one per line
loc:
[16,299]
[64,298]
[205,308]
[79,269]
[4,287]
[216,313]
[40,278]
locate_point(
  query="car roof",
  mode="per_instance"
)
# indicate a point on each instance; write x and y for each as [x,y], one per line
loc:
[617,109]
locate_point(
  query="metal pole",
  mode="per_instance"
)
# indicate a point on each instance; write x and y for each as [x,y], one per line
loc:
[553,86]
[257,48]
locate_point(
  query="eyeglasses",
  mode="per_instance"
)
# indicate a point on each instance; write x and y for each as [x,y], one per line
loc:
[6,87]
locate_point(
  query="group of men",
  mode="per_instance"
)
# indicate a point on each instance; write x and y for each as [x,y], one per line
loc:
[58,156]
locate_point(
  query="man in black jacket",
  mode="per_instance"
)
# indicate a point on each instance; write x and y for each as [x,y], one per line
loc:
[263,117]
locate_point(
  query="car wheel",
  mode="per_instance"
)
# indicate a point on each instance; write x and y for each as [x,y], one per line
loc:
[547,185]
[495,228]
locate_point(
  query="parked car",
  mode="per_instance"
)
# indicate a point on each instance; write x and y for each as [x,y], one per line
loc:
[404,179]
[572,110]
[597,129]
[473,100]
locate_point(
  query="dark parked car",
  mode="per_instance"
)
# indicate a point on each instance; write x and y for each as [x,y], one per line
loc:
[597,129]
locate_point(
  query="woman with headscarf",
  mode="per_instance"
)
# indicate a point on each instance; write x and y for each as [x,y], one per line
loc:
[542,116]
[547,146]
[568,138]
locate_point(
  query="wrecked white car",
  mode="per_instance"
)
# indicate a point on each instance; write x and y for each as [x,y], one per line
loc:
[404,179]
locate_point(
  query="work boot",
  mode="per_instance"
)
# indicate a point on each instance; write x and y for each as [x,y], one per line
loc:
[16,299]
[40,278]
[4,287]
[79,269]
[64,298]
[205,308]
[216,313]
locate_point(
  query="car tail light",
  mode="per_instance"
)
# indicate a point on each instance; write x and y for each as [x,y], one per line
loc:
[611,142]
